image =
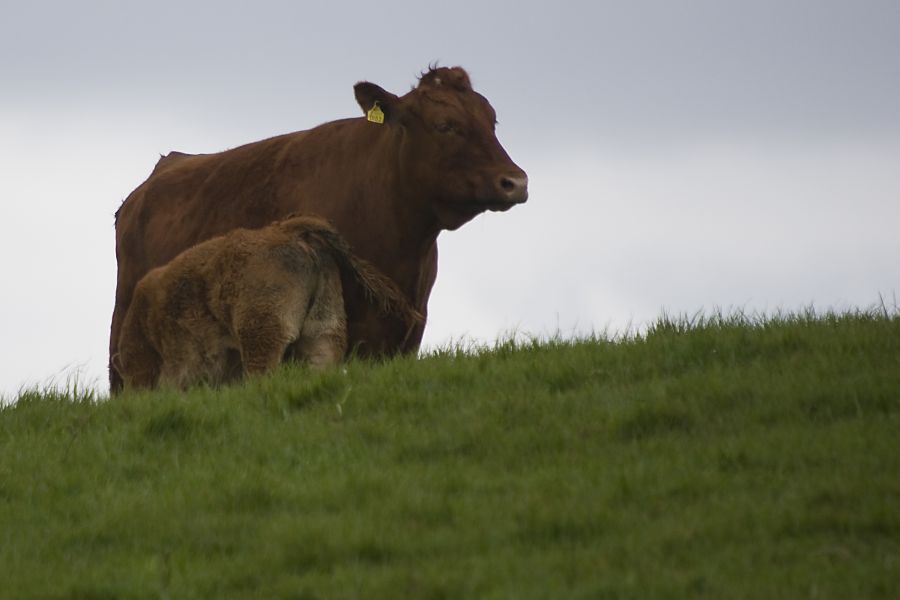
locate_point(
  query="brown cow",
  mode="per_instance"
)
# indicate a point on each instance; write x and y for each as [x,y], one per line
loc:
[239,302]
[390,188]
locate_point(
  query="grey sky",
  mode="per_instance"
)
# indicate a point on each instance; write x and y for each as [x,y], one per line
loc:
[641,66]
[682,155]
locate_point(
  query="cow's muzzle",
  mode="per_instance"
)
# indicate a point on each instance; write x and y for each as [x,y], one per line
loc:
[513,188]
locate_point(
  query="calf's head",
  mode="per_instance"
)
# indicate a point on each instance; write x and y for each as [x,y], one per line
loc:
[448,147]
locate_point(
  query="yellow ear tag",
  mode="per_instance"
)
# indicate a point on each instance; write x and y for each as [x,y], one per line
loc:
[375,115]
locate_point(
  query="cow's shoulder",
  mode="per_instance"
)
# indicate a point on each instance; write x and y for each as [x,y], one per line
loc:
[170,159]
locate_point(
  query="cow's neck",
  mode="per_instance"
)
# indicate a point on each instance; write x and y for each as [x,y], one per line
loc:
[386,202]
[406,237]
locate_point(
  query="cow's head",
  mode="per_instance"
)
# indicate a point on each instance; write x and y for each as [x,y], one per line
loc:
[448,146]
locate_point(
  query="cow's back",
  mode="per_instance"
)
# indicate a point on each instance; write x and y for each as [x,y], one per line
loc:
[191,198]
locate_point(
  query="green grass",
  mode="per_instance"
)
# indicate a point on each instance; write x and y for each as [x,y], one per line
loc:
[721,458]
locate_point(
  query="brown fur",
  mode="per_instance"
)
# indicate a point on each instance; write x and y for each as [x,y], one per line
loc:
[389,189]
[238,303]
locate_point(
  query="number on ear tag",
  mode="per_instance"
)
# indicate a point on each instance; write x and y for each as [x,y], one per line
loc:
[375,115]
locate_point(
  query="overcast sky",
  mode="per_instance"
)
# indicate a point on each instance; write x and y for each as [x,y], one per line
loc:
[682,156]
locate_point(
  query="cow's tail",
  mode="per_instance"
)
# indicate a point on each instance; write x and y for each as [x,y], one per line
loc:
[379,288]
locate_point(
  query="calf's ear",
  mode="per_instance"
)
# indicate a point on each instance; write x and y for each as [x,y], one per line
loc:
[367,94]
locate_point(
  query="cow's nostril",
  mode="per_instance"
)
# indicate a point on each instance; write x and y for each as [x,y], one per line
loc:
[513,188]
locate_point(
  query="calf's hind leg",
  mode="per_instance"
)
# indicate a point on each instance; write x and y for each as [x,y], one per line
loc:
[323,336]
[263,338]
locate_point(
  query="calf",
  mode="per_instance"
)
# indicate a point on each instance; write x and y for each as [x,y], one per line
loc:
[239,303]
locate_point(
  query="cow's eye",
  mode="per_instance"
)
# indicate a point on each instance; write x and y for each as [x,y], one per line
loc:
[446,127]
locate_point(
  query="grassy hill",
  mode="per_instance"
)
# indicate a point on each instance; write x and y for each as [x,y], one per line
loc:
[725,458]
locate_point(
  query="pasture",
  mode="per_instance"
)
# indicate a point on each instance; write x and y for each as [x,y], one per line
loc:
[719,457]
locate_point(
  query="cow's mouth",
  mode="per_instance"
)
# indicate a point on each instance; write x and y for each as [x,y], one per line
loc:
[454,214]
[494,205]
[499,206]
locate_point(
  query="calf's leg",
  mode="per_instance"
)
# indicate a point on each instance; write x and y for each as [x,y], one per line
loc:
[263,338]
[323,336]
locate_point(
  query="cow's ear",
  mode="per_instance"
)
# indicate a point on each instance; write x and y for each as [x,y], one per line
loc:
[367,94]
